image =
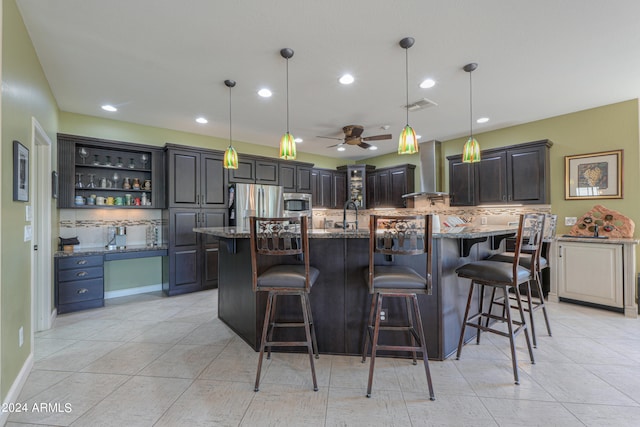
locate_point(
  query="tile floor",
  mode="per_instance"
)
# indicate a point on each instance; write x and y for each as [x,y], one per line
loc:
[154,361]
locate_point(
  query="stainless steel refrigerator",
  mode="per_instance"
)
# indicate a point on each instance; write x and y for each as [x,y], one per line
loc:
[247,200]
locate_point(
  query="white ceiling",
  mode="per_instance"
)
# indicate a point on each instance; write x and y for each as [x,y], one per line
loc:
[163,63]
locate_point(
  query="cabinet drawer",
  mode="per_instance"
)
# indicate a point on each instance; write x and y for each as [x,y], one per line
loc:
[80,274]
[80,290]
[79,262]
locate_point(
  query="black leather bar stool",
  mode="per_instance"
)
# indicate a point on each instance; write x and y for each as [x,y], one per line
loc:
[286,238]
[504,277]
[389,237]
[528,259]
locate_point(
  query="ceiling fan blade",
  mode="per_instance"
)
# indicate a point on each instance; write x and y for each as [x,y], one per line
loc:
[356,131]
[334,145]
[377,137]
[330,137]
[364,145]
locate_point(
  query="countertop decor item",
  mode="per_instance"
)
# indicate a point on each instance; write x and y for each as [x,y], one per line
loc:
[607,222]
[593,176]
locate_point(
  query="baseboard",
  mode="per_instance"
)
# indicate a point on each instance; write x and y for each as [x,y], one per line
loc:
[132,291]
[16,387]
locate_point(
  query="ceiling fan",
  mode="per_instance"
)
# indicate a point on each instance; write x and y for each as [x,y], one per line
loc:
[352,136]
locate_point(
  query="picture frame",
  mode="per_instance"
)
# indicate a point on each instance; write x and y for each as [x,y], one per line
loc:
[593,176]
[20,172]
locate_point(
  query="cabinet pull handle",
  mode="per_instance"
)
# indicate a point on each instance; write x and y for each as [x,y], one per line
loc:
[81,262]
[197,199]
[81,273]
[82,290]
[559,251]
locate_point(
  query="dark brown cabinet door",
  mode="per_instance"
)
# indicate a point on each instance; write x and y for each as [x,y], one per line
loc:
[383,188]
[316,200]
[267,172]
[339,189]
[326,182]
[372,185]
[303,181]
[288,178]
[461,182]
[184,178]
[491,178]
[213,183]
[401,182]
[246,172]
[184,252]
[527,181]
[211,218]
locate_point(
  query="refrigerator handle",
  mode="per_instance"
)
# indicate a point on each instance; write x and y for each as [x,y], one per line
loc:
[260,202]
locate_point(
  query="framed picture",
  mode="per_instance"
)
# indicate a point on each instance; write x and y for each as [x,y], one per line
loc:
[593,176]
[20,172]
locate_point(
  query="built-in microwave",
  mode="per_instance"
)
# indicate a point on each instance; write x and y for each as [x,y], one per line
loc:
[298,204]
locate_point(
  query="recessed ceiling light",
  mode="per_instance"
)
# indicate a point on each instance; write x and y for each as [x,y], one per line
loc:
[418,136]
[482,120]
[264,92]
[202,120]
[346,79]
[427,83]
[298,140]
[373,147]
[341,148]
[109,108]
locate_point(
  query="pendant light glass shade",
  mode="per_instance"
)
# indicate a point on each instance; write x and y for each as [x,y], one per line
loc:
[230,155]
[408,143]
[287,147]
[287,142]
[471,150]
[231,158]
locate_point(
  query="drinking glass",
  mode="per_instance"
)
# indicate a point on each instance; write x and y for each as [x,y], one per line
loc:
[91,183]
[83,153]
[144,158]
[79,180]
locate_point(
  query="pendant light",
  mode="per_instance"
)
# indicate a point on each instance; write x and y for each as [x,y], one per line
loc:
[231,155]
[471,150]
[287,143]
[408,142]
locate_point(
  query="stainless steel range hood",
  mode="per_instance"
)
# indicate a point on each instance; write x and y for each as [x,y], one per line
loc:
[431,171]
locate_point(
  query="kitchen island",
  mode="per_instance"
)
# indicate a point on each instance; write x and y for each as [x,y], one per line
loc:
[340,298]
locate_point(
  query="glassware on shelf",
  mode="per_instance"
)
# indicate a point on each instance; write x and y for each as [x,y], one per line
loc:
[79,180]
[136,184]
[131,163]
[96,161]
[91,183]
[119,164]
[144,158]
[126,184]
[107,161]
[115,179]
[103,182]
[83,153]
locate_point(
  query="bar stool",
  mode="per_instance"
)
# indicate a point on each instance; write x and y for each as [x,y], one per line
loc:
[537,302]
[505,277]
[391,236]
[284,237]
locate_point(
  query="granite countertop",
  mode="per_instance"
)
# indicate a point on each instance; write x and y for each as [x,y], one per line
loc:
[466,232]
[606,240]
[101,250]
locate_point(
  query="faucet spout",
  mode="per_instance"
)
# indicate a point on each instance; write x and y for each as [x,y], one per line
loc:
[344,213]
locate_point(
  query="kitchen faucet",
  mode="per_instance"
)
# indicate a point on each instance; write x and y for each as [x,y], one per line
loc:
[344,213]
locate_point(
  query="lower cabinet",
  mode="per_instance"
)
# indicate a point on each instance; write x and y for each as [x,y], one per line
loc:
[192,261]
[79,283]
[592,273]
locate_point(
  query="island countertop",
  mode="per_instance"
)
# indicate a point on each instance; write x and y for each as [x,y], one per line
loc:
[466,232]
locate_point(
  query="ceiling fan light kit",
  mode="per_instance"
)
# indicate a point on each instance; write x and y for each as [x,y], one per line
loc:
[408,142]
[230,155]
[471,150]
[287,142]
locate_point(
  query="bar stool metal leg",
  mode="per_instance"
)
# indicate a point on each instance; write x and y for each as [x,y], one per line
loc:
[263,340]
[425,356]
[305,315]
[374,344]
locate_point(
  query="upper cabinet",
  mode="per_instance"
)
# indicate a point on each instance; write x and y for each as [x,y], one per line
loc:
[513,174]
[385,186]
[356,183]
[98,173]
[295,178]
[328,188]
[252,170]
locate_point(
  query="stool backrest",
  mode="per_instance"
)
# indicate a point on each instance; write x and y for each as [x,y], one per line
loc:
[529,240]
[400,235]
[550,222]
[277,237]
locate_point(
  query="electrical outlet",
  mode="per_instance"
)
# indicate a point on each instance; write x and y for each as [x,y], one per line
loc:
[20,336]
[570,220]
[383,314]
[483,220]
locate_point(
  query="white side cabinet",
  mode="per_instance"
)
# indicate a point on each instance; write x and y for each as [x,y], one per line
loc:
[599,272]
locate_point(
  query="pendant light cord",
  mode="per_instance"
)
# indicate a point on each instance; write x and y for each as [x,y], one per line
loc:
[287,95]
[406,80]
[470,105]
[230,140]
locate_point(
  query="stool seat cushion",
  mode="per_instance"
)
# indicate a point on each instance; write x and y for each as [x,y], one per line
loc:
[287,276]
[395,277]
[525,259]
[493,271]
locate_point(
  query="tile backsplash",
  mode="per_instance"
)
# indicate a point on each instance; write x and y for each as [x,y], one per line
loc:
[90,225]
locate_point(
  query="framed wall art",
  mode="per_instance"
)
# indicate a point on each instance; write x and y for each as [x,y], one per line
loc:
[593,176]
[20,172]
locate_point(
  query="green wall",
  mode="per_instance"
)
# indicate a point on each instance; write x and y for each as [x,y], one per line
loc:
[25,94]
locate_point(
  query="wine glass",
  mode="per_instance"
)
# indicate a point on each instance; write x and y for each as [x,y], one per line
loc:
[83,153]
[79,180]
[115,179]
[144,158]
[91,183]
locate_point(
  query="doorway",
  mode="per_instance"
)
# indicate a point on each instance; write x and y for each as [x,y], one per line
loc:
[41,256]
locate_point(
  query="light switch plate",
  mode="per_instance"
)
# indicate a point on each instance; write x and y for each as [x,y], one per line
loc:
[28,213]
[570,220]
[28,233]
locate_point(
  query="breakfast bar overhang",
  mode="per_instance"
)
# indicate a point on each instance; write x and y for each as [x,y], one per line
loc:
[340,298]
